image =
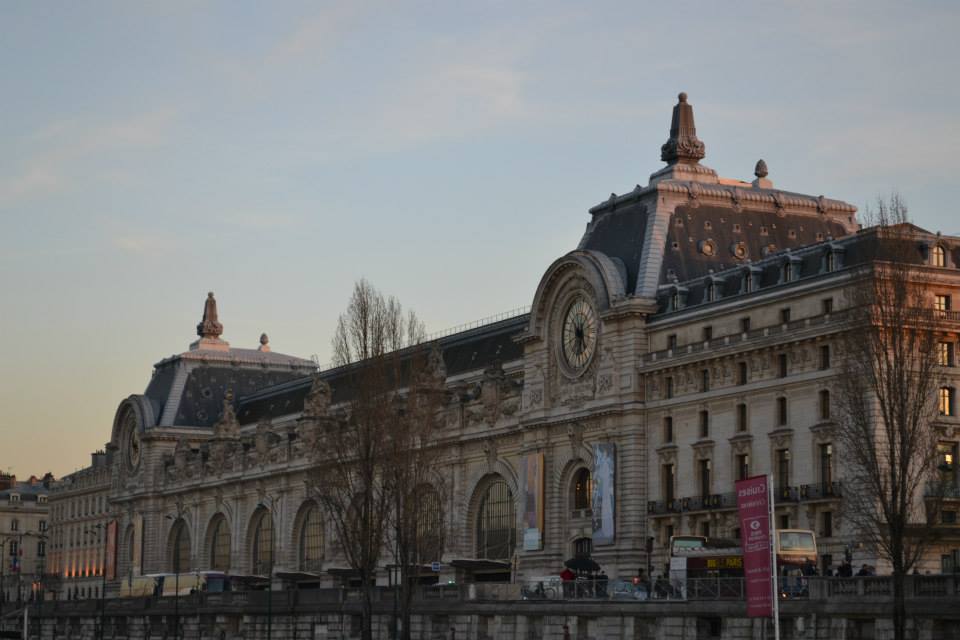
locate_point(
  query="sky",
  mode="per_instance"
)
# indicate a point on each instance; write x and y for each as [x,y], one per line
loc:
[275,153]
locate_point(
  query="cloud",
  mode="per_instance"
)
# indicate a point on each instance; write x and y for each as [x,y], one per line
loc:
[60,153]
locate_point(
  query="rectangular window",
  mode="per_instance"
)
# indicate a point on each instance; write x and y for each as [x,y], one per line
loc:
[705,529]
[826,465]
[782,365]
[704,424]
[785,315]
[668,429]
[783,468]
[672,341]
[669,482]
[743,466]
[945,401]
[741,417]
[782,411]
[43,525]
[941,303]
[824,357]
[707,333]
[742,373]
[705,380]
[826,306]
[824,404]
[945,354]
[668,387]
[705,469]
[785,521]
[946,462]
[744,325]
[41,548]
[826,520]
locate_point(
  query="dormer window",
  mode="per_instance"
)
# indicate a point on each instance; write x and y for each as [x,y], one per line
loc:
[939,256]
[748,282]
[711,293]
[829,262]
[675,300]
[14,497]
[787,271]
[41,499]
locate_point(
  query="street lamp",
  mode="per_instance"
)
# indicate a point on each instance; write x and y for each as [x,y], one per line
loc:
[102,529]
[273,524]
[176,572]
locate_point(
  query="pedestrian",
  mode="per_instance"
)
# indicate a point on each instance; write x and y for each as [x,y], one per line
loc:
[864,571]
[567,577]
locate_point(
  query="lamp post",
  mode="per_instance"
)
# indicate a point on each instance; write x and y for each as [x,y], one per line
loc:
[102,529]
[176,572]
[273,523]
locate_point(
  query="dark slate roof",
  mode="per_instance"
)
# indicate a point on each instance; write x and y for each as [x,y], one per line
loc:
[808,262]
[202,401]
[759,233]
[620,234]
[472,350]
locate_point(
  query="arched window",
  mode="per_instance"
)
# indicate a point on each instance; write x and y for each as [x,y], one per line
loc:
[939,256]
[582,487]
[748,281]
[220,544]
[787,271]
[711,292]
[496,523]
[310,542]
[261,548]
[429,514]
[179,547]
[830,262]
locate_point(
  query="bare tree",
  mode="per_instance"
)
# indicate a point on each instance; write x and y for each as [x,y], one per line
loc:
[887,401]
[415,536]
[357,456]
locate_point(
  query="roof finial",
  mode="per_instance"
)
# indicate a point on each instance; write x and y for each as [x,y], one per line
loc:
[683,145]
[761,172]
[264,342]
[209,327]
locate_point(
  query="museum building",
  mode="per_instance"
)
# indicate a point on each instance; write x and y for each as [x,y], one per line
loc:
[688,341]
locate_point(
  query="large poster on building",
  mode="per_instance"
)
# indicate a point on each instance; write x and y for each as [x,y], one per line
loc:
[603,501]
[754,509]
[532,472]
[137,553]
[110,562]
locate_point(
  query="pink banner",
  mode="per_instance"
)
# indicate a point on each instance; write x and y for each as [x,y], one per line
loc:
[752,496]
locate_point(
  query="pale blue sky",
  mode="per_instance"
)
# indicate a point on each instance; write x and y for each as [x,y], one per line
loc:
[276,152]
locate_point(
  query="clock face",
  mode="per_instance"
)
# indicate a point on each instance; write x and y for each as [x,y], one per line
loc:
[579,334]
[133,447]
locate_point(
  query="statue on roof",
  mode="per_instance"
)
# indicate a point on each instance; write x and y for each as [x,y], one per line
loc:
[316,404]
[683,145]
[209,327]
[227,426]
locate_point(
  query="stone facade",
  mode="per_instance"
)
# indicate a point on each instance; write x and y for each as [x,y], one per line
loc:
[24,520]
[686,299]
[80,509]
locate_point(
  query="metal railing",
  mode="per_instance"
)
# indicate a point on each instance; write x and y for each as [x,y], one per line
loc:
[821,491]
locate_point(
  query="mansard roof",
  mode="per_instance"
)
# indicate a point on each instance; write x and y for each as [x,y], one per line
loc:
[187,390]
[687,221]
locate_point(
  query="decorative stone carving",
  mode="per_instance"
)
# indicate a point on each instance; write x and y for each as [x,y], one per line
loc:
[683,145]
[533,388]
[490,452]
[227,426]
[316,404]
[209,327]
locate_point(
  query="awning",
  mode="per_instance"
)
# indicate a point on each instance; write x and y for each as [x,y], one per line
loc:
[481,564]
[299,576]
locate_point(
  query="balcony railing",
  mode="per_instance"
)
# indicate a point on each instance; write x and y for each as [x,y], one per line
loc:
[821,491]
[949,490]
[723,501]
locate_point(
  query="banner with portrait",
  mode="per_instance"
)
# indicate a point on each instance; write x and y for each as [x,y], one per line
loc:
[603,500]
[110,562]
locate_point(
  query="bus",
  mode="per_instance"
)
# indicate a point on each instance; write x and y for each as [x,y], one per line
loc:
[168,584]
[698,558]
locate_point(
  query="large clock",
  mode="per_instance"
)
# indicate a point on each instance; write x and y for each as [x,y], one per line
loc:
[133,448]
[579,338]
